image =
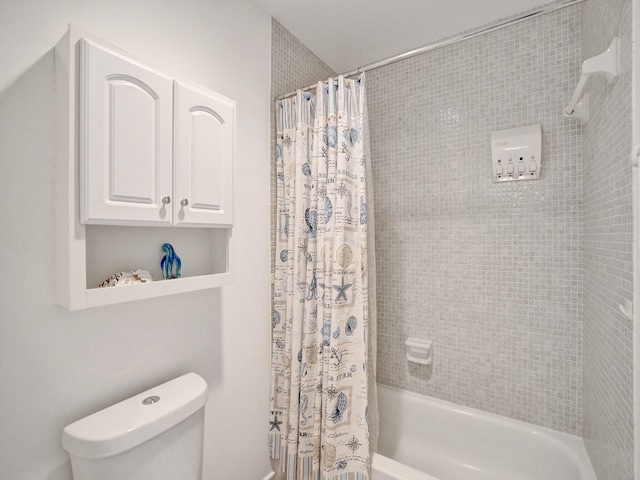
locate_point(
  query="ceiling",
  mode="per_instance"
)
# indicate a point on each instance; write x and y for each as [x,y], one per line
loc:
[348,34]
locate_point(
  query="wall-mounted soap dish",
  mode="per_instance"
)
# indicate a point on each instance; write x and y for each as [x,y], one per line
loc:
[419,350]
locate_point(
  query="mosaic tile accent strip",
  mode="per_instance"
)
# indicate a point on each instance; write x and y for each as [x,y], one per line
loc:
[608,229]
[492,273]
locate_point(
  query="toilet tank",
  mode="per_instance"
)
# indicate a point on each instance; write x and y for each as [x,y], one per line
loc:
[156,435]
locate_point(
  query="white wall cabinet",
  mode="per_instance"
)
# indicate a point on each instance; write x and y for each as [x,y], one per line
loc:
[153,151]
[203,149]
[137,153]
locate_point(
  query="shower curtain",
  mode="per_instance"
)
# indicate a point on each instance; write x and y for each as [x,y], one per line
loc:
[323,421]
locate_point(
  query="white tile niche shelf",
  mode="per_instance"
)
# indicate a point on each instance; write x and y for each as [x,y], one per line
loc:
[88,254]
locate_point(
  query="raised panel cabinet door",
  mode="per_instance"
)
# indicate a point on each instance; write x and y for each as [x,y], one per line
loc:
[203,157]
[125,140]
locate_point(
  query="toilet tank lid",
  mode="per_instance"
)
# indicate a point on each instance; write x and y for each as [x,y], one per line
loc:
[122,426]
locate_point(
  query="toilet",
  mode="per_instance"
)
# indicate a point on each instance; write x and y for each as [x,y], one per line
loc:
[156,435]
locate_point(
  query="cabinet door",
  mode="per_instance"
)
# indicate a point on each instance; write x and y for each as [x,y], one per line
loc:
[125,129]
[203,157]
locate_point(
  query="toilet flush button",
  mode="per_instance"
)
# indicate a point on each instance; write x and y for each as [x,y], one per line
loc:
[151,400]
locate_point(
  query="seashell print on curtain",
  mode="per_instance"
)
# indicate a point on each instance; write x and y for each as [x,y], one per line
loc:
[321,367]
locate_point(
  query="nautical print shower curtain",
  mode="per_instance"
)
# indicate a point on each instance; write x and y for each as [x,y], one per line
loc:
[323,419]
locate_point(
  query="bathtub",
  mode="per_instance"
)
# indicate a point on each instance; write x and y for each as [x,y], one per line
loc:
[422,438]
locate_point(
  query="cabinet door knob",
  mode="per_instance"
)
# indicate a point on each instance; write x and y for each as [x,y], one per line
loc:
[166,199]
[184,202]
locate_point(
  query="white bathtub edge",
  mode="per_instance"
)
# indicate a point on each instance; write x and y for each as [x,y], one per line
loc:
[389,469]
[572,446]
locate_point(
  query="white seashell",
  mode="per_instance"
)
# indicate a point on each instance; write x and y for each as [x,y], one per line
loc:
[127,278]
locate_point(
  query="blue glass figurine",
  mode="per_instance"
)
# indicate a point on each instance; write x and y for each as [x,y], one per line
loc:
[170,263]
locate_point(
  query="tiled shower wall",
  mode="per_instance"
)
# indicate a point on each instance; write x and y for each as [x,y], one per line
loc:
[492,273]
[608,256]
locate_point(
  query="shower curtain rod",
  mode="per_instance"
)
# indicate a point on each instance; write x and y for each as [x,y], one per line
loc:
[551,7]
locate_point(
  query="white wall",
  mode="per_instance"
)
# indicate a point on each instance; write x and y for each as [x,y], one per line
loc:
[57,366]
